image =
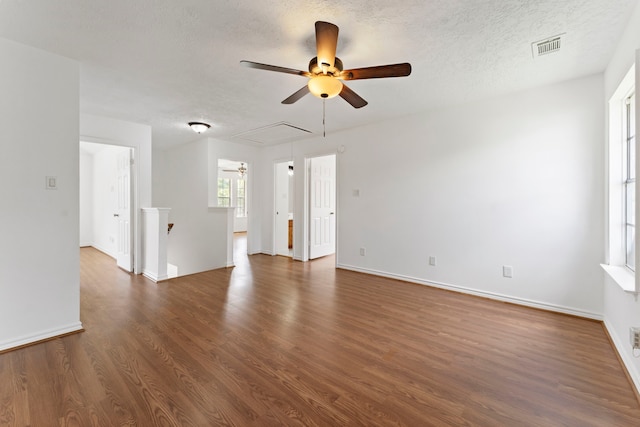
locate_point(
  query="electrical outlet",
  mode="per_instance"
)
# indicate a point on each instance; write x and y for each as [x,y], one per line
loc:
[432,260]
[362,252]
[507,271]
[634,335]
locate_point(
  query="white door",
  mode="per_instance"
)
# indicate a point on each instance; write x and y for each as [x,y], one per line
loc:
[322,199]
[282,209]
[124,256]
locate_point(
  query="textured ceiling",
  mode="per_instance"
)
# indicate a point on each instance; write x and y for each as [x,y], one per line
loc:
[167,62]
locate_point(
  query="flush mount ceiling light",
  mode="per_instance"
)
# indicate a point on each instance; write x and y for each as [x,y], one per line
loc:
[199,127]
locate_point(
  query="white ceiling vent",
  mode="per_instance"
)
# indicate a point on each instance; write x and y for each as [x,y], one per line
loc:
[547,46]
[273,134]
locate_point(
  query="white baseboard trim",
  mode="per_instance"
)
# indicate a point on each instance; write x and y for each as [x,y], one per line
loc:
[103,250]
[149,275]
[619,345]
[40,336]
[491,295]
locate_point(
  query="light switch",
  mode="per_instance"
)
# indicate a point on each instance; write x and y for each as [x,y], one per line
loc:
[51,183]
[507,271]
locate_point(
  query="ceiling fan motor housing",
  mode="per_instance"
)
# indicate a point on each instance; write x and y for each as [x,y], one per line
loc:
[334,71]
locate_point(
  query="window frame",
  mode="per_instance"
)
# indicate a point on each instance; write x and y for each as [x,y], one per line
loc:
[218,196]
[241,208]
[629,179]
[615,249]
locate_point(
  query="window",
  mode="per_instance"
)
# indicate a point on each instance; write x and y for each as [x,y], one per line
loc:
[241,206]
[629,175]
[224,192]
[621,186]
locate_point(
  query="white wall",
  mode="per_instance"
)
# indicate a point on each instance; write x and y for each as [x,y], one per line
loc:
[185,180]
[265,186]
[86,199]
[516,180]
[243,153]
[137,136]
[39,260]
[622,310]
[239,223]
[198,240]
[158,178]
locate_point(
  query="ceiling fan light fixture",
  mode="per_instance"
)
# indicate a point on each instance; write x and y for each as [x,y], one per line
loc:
[199,127]
[242,170]
[324,87]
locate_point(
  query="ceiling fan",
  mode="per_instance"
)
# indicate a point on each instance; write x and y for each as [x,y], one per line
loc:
[326,72]
[241,170]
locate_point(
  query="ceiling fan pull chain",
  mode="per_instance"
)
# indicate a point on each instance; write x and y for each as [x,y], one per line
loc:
[324,126]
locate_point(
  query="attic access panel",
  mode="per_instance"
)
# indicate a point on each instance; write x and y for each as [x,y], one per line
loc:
[276,133]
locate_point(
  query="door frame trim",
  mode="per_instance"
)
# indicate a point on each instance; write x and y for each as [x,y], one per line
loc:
[274,248]
[136,231]
[307,204]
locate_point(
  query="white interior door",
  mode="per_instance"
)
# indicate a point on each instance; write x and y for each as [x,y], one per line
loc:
[322,199]
[281,233]
[124,256]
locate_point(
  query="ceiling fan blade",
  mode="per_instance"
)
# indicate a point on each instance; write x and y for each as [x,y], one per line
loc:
[326,42]
[296,96]
[381,71]
[352,98]
[268,67]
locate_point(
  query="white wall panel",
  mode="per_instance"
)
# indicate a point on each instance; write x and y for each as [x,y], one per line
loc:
[39,260]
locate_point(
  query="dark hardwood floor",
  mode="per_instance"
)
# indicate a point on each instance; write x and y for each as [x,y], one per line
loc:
[278,342]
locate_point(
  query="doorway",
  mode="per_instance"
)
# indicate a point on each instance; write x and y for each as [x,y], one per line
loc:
[284,225]
[107,200]
[232,190]
[322,206]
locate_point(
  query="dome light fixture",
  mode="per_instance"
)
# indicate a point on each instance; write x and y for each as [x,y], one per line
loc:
[324,86]
[199,127]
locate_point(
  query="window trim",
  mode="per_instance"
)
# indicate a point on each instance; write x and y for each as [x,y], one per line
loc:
[629,178]
[230,197]
[615,254]
[241,211]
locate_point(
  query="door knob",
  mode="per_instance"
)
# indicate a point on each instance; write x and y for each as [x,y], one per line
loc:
[116,215]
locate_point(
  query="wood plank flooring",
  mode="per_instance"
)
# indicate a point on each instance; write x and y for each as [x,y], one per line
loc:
[278,342]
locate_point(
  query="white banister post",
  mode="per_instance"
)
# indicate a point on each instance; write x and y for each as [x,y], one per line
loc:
[230,217]
[155,223]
